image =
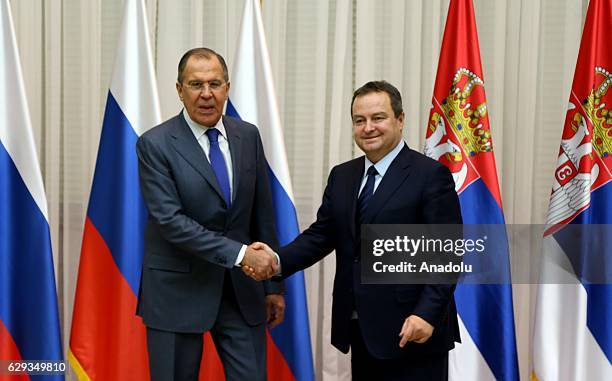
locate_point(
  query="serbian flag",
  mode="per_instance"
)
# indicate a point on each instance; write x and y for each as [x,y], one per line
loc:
[459,136]
[108,340]
[29,323]
[253,99]
[573,331]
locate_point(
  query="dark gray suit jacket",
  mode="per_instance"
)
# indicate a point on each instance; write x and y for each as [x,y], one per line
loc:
[191,236]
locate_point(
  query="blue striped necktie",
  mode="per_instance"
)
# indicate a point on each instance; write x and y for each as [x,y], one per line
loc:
[366,194]
[218,164]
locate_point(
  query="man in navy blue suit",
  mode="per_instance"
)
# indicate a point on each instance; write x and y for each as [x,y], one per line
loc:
[395,332]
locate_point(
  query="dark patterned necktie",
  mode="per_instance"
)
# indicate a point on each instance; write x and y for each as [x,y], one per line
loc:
[366,194]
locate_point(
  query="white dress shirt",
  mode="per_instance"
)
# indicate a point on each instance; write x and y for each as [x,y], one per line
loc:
[381,167]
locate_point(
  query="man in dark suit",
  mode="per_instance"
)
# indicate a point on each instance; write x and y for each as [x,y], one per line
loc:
[204,180]
[395,332]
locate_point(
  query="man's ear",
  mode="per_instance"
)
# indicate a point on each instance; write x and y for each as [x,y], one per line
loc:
[179,90]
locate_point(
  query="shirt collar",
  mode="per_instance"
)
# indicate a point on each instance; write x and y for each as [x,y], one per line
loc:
[383,164]
[198,130]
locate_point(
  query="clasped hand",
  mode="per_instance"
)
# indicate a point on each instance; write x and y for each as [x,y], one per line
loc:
[259,261]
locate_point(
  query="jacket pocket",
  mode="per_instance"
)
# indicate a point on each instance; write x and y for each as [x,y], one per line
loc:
[166,263]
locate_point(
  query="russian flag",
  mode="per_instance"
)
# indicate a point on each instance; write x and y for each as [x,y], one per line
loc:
[253,99]
[459,135]
[29,322]
[108,340]
[573,330]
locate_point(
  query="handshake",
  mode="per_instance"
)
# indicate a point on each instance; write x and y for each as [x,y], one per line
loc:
[259,261]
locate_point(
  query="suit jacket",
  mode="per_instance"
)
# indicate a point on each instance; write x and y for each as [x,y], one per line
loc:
[414,190]
[192,237]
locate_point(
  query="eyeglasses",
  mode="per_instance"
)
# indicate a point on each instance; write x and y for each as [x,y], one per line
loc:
[197,86]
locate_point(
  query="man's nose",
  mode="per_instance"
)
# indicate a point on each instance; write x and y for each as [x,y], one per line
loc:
[369,126]
[206,92]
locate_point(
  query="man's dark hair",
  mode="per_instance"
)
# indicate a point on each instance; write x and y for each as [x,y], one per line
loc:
[381,87]
[200,53]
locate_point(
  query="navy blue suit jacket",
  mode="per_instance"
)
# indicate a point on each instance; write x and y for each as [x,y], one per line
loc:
[414,190]
[191,236]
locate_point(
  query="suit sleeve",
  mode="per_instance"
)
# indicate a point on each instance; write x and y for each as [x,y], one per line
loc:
[315,242]
[165,209]
[440,205]
[263,223]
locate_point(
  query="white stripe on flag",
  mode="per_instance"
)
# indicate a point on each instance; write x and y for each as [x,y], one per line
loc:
[251,58]
[15,124]
[562,339]
[138,74]
[465,362]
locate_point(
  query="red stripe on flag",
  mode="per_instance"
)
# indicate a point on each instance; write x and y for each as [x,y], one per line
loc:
[211,367]
[107,338]
[278,369]
[459,100]
[9,351]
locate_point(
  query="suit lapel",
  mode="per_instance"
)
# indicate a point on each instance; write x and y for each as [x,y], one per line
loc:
[353,192]
[394,177]
[188,147]
[233,137]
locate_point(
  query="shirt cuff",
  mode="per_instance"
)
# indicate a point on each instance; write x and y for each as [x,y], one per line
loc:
[241,255]
[278,262]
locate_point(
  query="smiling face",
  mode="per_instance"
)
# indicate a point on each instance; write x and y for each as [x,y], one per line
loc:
[375,128]
[203,90]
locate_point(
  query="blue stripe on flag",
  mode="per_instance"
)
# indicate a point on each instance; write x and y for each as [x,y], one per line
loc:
[599,310]
[116,207]
[293,336]
[286,218]
[231,110]
[589,256]
[478,205]
[28,302]
[486,310]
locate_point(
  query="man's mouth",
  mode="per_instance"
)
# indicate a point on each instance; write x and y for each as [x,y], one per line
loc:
[371,137]
[206,109]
